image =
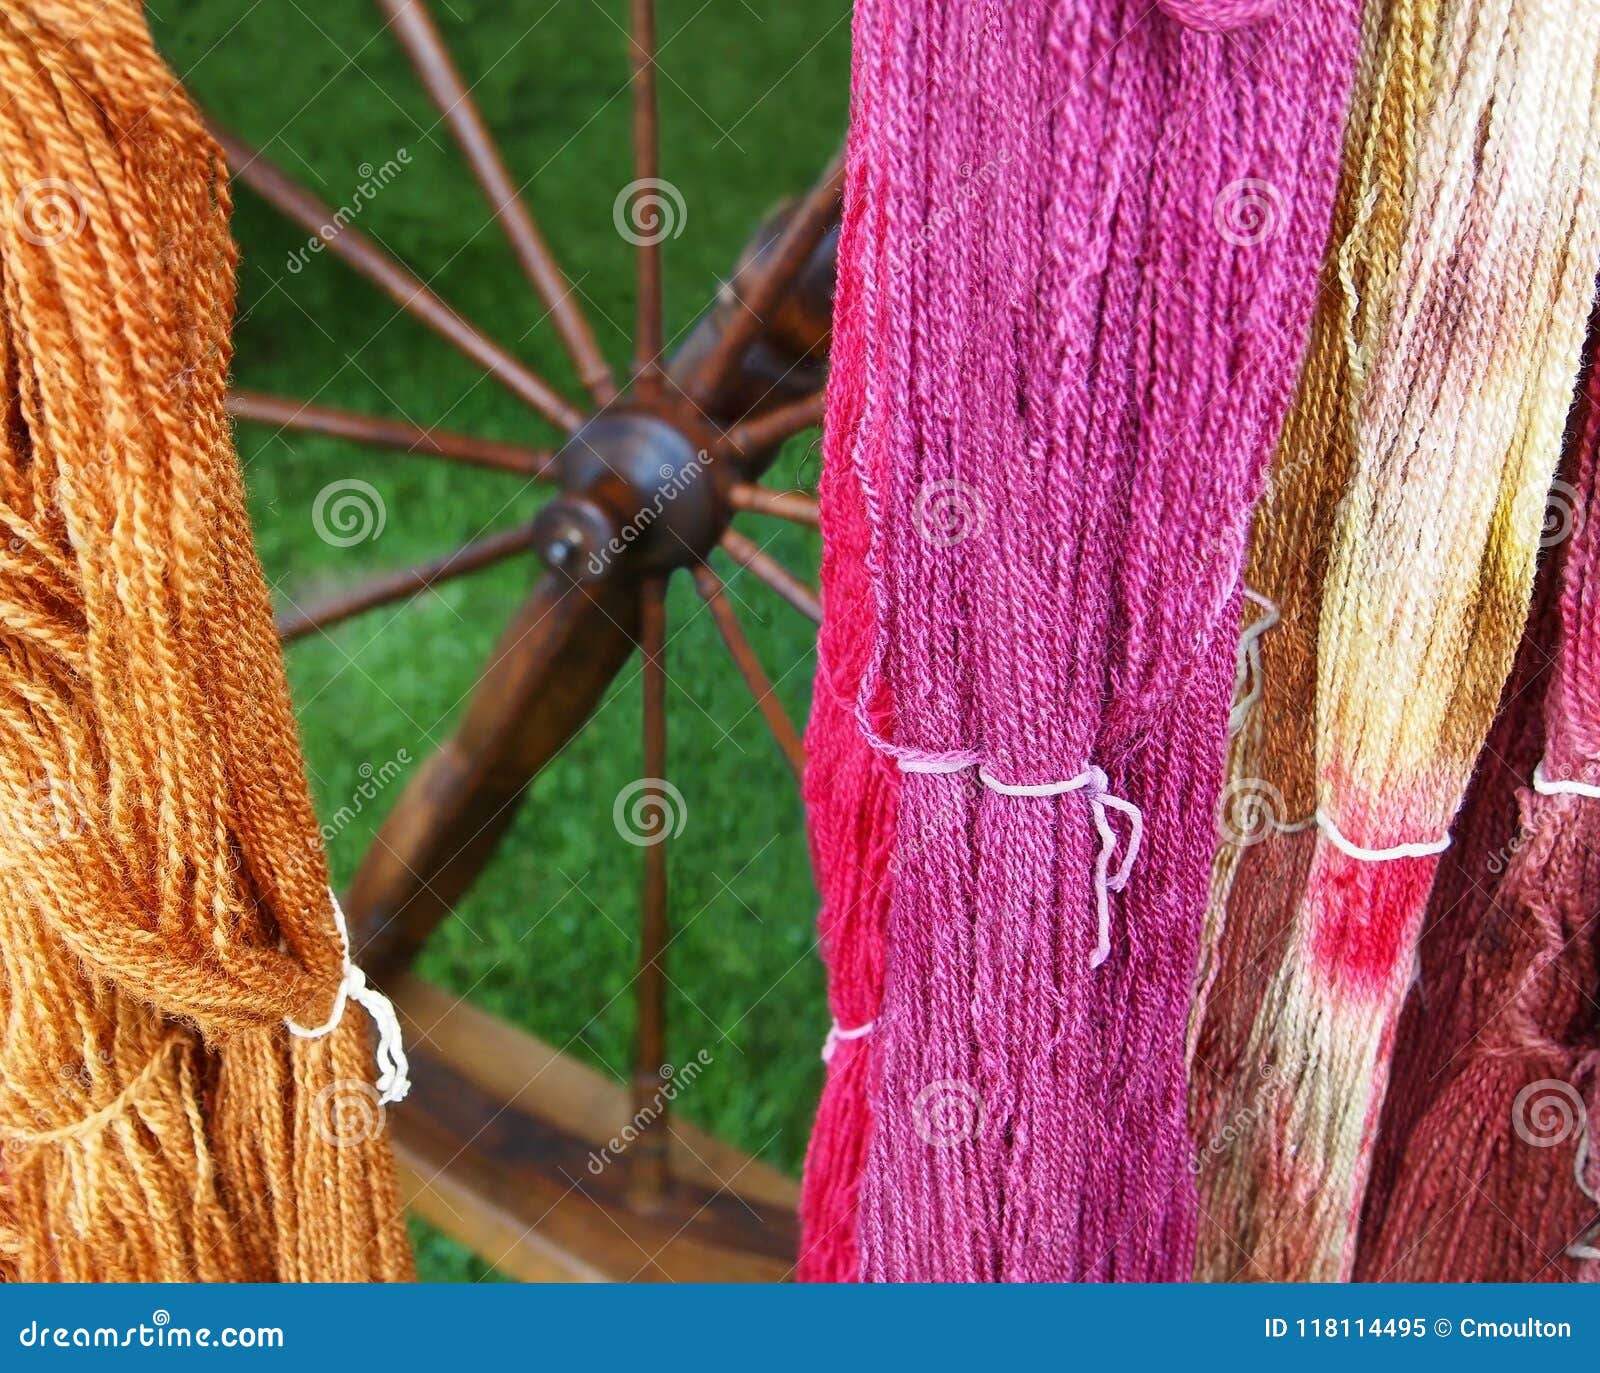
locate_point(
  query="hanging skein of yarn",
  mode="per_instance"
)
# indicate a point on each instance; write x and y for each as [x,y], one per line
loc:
[164,911]
[1458,428]
[1494,1111]
[1117,276]
[850,789]
[1261,863]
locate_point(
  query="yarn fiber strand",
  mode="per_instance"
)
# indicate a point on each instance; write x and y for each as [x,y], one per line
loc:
[163,896]
[1462,385]
[1495,1105]
[851,790]
[1077,345]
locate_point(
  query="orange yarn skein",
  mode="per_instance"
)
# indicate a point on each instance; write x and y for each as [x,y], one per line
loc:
[163,893]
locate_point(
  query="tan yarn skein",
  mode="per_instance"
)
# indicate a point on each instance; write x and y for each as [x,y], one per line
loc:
[163,893]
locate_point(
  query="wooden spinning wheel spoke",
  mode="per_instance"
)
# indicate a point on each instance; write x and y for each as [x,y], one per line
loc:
[794,506]
[767,431]
[408,582]
[402,286]
[793,249]
[283,413]
[709,585]
[500,1136]
[413,26]
[542,682]
[647,339]
[767,569]
[647,1157]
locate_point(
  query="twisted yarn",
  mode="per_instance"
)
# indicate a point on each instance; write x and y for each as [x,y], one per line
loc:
[1495,1103]
[163,896]
[1457,379]
[1081,255]
[1271,769]
[851,790]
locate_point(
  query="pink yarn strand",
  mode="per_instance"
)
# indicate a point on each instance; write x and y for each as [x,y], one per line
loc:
[1065,342]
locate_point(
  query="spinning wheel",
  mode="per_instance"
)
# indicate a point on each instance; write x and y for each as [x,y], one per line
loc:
[498,1137]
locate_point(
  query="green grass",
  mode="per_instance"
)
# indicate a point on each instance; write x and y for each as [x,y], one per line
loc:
[754,96]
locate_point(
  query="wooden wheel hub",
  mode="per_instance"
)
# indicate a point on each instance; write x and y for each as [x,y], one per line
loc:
[638,494]
[499,1139]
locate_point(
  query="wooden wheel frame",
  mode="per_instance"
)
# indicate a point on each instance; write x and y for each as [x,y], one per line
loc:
[497,1138]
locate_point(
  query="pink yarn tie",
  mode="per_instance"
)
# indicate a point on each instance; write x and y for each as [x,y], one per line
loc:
[1218,16]
[1094,782]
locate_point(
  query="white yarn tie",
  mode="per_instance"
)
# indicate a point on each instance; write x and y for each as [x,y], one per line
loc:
[1249,662]
[1581,1248]
[1545,787]
[1365,855]
[393,1071]
[836,1037]
[1095,782]
[937,767]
